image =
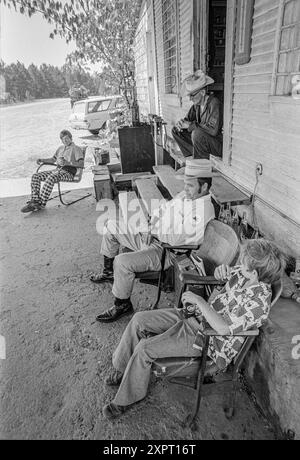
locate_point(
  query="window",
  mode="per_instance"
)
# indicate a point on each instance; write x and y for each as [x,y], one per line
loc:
[169,16]
[98,106]
[289,48]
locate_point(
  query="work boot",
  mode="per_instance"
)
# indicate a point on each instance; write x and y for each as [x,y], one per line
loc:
[119,309]
[31,206]
[107,275]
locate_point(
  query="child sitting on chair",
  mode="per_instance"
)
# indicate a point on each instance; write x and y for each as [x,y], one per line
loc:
[68,158]
[243,304]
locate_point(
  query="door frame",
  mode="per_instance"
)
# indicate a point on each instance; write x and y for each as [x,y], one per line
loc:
[201,15]
[231,23]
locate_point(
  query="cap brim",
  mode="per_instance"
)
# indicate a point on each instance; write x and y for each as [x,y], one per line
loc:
[207,176]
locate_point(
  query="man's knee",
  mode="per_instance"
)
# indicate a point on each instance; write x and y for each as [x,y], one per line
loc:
[122,262]
[198,135]
[35,177]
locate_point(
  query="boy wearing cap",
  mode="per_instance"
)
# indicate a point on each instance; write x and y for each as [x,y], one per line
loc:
[179,222]
[199,134]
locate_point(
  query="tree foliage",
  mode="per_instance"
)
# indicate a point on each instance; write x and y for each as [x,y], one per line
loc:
[46,81]
[103,31]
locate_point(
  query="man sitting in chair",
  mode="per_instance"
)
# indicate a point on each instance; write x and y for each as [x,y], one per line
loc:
[179,222]
[243,304]
[199,134]
[67,158]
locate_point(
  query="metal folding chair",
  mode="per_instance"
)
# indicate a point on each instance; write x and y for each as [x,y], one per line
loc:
[203,379]
[77,180]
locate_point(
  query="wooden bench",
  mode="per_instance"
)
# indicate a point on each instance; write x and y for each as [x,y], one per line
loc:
[149,194]
[222,191]
[168,180]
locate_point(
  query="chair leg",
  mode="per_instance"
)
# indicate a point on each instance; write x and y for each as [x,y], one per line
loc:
[229,406]
[160,280]
[60,194]
[191,420]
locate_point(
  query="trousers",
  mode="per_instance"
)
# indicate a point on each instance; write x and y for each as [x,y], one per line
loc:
[142,258]
[135,353]
[198,144]
[50,178]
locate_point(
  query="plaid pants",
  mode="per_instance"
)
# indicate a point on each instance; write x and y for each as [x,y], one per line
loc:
[50,178]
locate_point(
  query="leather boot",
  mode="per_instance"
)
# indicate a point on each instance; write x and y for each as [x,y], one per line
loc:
[107,275]
[120,308]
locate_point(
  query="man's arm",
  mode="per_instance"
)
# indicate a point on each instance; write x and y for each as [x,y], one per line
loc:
[213,318]
[213,120]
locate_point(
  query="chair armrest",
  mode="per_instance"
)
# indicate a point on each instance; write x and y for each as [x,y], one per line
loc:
[213,333]
[177,248]
[189,278]
[48,162]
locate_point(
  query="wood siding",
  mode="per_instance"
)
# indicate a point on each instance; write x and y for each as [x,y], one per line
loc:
[265,130]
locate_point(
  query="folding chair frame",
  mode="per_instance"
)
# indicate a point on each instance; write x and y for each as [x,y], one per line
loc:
[60,193]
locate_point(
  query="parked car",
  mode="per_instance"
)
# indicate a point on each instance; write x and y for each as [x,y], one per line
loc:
[93,113]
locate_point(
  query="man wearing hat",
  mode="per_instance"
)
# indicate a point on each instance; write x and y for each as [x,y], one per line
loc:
[199,134]
[179,222]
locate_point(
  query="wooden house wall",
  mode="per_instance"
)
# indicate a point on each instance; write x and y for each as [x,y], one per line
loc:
[265,130]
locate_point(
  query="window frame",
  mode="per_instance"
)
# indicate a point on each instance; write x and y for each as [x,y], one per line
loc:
[176,92]
[276,73]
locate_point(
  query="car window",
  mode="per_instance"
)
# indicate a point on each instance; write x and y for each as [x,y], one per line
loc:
[98,106]
[79,107]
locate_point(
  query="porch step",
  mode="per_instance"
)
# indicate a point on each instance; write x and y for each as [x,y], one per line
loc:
[224,193]
[150,194]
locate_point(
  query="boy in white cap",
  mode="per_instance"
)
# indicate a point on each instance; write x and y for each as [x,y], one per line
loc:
[199,134]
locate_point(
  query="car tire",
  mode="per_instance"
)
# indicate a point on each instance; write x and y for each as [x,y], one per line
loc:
[94,131]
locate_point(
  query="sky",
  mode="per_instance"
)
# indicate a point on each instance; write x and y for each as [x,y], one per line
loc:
[27,40]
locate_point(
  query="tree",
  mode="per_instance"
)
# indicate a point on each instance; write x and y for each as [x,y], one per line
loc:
[102,29]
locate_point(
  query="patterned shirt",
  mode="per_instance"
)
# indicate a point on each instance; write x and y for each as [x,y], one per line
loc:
[242,308]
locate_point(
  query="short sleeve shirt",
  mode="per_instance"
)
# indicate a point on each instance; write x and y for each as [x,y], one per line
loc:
[242,308]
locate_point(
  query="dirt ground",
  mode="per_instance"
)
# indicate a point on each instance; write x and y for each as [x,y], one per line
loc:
[57,356]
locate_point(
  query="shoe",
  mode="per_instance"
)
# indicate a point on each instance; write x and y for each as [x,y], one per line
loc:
[111,411]
[120,309]
[114,379]
[31,206]
[107,276]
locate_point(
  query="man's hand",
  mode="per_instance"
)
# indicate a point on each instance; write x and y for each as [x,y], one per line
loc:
[183,124]
[39,161]
[190,298]
[222,273]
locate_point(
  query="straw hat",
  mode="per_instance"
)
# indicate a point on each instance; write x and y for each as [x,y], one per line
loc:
[195,82]
[196,169]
